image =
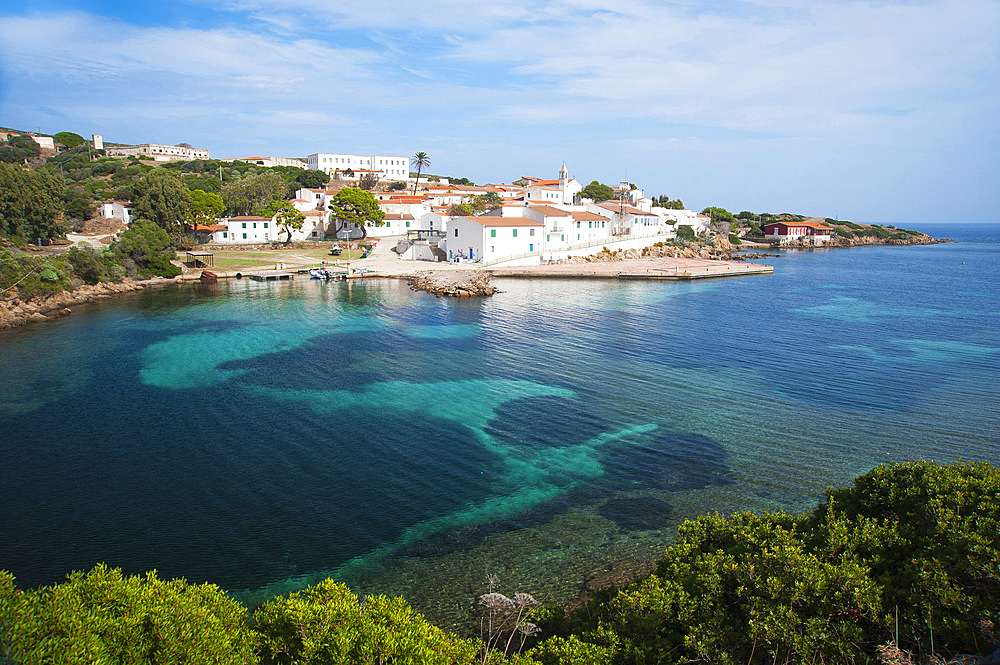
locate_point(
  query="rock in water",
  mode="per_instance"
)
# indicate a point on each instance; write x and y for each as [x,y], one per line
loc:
[454,283]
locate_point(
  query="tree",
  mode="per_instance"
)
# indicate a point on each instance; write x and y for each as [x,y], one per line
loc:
[205,207]
[312,178]
[460,210]
[162,198]
[286,217]
[419,160]
[19,149]
[144,248]
[358,207]
[30,202]
[598,192]
[105,617]
[718,214]
[251,194]
[69,139]
[397,186]
[367,181]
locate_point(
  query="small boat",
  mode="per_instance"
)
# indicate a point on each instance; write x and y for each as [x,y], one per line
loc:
[209,276]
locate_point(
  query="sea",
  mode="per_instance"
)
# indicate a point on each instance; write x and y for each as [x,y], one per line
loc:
[263,436]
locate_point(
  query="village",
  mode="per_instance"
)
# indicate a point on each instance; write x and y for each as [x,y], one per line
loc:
[533,221]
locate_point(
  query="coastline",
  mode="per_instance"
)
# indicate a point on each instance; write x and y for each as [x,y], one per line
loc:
[695,261]
[19,312]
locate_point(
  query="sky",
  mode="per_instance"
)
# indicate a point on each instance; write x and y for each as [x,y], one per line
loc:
[873,111]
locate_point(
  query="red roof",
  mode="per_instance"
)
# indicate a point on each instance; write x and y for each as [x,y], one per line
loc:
[811,225]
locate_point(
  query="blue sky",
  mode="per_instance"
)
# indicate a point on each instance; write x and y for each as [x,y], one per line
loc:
[873,111]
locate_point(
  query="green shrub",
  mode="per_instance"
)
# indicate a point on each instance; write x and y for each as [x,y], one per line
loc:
[686,232]
[326,623]
[104,617]
[735,239]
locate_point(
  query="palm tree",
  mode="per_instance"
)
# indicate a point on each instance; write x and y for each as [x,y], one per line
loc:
[419,160]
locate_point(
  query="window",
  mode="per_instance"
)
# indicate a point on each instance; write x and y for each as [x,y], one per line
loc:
[223,235]
[244,236]
[548,238]
[531,232]
[255,224]
[456,233]
[578,225]
[265,225]
[493,233]
[531,247]
[563,237]
[515,233]
[244,226]
[577,236]
[407,225]
[493,249]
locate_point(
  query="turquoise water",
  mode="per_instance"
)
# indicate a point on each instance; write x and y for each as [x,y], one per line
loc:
[264,435]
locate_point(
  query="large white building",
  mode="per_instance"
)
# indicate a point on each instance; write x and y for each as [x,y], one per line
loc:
[274,161]
[386,167]
[160,153]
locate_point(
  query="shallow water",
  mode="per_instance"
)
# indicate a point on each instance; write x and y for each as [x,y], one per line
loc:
[264,435]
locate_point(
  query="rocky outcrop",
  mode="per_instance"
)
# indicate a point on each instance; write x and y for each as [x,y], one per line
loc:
[38,309]
[721,251]
[454,283]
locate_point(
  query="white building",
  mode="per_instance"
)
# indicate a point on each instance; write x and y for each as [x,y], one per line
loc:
[386,167]
[117,210]
[563,190]
[246,229]
[485,238]
[160,153]
[274,161]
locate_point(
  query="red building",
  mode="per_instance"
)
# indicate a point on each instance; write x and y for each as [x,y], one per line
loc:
[788,231]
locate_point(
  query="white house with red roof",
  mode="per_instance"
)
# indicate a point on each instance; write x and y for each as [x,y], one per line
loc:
[806,231]
[490,237]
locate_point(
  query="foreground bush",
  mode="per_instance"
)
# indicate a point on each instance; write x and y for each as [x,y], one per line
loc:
[327,623]
[916,541]
[105,617]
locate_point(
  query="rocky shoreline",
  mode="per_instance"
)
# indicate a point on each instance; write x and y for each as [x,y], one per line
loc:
[38,309]
[454,284]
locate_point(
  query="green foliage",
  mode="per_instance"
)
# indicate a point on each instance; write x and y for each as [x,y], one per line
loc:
[105,617]
[936,556]
[917,538]
[461,181]
[735,239]
[352,205]
[312,178]
[686,232]
[77,204]
[843,233]
[460,210]
[145,249]
[718,214]
[598,192]
[205,207]
[162,198]
[288,219]
[397,186]
[69,139]
[30,202]
[19,149]
[368,181]
[250,195]
[89,265]
[33,275]
[665,202]
[571,651]
[326,623]
[419,161]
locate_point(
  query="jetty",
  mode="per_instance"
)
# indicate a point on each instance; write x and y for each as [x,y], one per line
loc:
[652,268]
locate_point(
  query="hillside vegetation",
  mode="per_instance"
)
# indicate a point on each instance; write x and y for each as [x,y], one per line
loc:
[903,567]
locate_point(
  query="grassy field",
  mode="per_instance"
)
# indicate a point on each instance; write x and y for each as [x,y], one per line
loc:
[236,259]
